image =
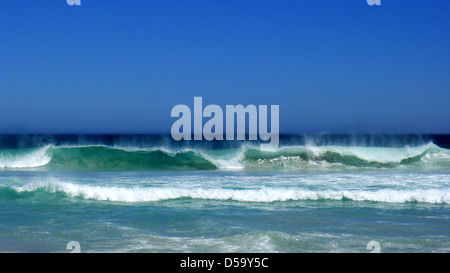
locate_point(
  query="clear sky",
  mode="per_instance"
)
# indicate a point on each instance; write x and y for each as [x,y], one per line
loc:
[119,66]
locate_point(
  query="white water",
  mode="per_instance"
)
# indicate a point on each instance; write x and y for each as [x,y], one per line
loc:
[132,194]
[32,159]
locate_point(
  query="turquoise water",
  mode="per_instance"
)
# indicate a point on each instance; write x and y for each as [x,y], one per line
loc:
[166,198]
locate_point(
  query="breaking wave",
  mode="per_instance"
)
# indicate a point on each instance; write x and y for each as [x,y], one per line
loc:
[102,157]
[152,194]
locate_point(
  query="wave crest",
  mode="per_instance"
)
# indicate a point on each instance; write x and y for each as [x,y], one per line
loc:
[25,159]
[246,157]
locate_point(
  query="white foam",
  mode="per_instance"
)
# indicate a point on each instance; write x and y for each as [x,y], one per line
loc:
[234,162]
[230,160]
[32,159]
[246,242]
[149,194]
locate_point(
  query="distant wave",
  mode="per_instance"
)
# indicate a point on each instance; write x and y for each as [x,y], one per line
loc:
[102,157]
[143,194]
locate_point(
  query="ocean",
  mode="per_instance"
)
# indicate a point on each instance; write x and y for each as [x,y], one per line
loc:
[149,193]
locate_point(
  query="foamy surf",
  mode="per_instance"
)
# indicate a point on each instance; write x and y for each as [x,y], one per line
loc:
[151,194]
[25,159]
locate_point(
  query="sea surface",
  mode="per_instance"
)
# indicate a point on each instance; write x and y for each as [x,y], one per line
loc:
[148,193]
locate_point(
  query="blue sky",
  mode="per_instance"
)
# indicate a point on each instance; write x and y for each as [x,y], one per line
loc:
[120,66]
